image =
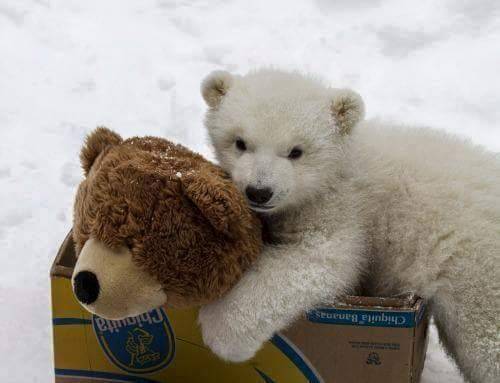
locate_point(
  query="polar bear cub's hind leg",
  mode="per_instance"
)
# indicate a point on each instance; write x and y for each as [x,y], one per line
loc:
[466,309]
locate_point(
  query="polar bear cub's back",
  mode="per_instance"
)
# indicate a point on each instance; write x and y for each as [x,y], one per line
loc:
[438,164]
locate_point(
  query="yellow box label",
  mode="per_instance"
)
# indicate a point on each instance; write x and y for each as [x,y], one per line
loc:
[158,346]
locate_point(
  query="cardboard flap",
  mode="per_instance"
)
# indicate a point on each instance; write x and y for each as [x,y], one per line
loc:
[65,259]
[404,301]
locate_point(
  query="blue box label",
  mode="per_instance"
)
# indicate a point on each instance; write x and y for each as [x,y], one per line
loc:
[405,319]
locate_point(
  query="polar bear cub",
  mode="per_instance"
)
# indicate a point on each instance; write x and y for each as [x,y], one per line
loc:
[352,202]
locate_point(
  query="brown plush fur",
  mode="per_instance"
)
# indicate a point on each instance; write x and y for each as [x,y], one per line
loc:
[185,222]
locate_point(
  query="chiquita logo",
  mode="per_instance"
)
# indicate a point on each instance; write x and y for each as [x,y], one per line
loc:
[140,344]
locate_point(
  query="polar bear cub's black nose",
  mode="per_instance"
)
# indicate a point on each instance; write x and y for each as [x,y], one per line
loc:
[86,287]
[258,195]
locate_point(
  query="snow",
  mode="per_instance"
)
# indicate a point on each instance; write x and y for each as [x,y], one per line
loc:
[67,66]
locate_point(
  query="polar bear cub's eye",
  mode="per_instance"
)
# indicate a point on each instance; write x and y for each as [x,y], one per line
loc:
[295,153]
[240,144]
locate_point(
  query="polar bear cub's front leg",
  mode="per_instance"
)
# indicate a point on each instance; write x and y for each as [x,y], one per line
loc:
[285,282]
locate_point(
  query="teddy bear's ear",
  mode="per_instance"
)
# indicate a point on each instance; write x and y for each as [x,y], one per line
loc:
[218,200]
[215,86]
[347,108]
[95,143]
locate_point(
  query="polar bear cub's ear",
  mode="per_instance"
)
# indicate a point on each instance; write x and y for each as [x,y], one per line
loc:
[347,108]
[95,143]
[215,86]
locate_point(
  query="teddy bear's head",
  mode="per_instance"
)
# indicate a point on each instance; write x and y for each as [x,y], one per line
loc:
[155,224]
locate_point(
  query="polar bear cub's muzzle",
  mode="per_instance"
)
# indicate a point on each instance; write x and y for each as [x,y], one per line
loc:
[109,284]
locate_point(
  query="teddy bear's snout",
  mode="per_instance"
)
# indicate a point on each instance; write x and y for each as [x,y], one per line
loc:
[108,283]
[86,287]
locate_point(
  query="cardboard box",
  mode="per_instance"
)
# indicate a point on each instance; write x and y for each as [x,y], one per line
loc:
[360,340]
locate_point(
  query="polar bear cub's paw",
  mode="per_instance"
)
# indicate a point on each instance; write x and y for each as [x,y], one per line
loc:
[225,335]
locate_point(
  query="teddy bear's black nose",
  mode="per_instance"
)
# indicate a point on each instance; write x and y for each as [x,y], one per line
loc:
[86,287]
[258,195]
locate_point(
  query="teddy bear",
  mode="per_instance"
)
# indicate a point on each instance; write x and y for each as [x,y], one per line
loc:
[156,224]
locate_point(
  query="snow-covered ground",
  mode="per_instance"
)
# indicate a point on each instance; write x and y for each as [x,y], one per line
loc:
[135,66]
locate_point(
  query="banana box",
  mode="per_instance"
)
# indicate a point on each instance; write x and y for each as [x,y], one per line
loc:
[361,340]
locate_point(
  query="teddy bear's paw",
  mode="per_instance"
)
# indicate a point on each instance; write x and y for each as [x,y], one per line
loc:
[225,339]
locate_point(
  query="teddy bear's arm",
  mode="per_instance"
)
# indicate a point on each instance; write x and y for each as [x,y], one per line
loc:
[285,282]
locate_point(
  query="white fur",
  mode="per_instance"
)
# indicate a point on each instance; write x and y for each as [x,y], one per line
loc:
[414,209]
